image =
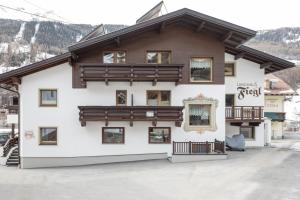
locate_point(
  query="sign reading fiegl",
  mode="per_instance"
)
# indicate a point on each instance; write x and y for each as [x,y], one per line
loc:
[246,89]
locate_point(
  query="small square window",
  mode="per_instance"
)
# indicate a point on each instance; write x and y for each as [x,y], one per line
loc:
[229,100]
[121,97]
[248,132]
[158,98]
[199,114]
[201,69]
[229,69]
[48,136]
[160,135]
[48,97]
[113,135]
[159,57]
[114,57]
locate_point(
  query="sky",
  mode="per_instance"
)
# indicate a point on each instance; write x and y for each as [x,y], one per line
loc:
[254,14]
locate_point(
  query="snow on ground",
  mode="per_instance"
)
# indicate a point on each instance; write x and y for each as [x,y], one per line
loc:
[36,29]
[286,144]
[43,56]
[19,35]
[3,47]
[23,49]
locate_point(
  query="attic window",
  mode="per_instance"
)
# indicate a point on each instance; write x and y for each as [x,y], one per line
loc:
[159,57]
[114,57]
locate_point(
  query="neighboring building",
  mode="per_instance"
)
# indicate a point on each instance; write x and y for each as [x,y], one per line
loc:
[148,91]
[276,93]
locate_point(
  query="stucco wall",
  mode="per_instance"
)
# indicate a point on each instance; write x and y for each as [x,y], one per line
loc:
[274,103]
[74,140]
[246,72]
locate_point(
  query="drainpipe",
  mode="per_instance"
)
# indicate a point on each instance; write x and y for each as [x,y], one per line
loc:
[19,121]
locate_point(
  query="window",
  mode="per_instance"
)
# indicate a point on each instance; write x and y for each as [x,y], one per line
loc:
[201,69]
[229,100]
[248,132]
[48,97]
[114,57]
[158,98]
[160,135]
[159,57]
[229,69]
[113,135]
[121,97]
[48,135]
[199,115]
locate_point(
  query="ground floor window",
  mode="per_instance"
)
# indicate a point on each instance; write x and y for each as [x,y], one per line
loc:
[160,135]
[248,132]
[113,135]
[199,115]
[48,135]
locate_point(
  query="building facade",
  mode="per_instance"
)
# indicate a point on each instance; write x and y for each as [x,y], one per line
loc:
[153,90]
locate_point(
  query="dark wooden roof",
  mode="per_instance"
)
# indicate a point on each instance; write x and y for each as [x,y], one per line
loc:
[34,67]
[231,34]
[267,61]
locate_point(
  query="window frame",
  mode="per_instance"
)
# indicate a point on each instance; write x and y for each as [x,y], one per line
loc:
[40,97]
[234,100]
[47,142]
[159,96]
[115,56]
[123,136]
[117,98]
[159,52]
[202,101]
[211,70]
[233,70]
[253,133]
[153,127]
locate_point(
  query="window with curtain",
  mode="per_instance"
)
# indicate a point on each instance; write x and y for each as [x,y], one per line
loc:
[48,135]
[199,115]
[114,57]
[48,97]
[113,135]
[201,69]
[159,57]
[160,135]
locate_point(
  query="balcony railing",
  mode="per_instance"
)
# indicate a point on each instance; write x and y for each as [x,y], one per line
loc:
[244,113]
[132,73]
[131,114]
[195,148]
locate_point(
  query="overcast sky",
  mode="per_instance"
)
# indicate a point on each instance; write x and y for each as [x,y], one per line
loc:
[254,14]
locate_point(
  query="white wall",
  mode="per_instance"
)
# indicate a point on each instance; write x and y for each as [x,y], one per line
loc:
[246,72]
[74,140]
[274,103]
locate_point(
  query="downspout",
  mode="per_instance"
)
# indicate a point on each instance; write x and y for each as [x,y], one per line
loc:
[19,117]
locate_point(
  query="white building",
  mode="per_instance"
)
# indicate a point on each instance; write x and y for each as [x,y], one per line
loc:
[149,91]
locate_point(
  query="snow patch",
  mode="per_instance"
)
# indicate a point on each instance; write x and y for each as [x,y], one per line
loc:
[43,56]
[23,49]
[3,47]
[36,29]
[19,35]
[78,37]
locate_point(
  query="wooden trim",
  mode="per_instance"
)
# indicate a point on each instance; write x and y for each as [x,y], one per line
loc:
[170,133]
[117,98]
[159,96]
[233,70]
[40,97]
[123,136]
[211,71]
[47,142]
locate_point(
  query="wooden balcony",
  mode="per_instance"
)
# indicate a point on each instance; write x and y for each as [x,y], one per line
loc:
[244,114]
[130,73]
[196,148]
[131,114]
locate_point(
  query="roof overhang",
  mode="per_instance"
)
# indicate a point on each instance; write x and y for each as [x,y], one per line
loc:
[231,34]
[14,75]
[268,62]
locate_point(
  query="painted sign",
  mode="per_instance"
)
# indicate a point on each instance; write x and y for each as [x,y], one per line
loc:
[248,89]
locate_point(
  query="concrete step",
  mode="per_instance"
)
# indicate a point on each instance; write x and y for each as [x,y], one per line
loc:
[13,157]
[9,163]
[13,160]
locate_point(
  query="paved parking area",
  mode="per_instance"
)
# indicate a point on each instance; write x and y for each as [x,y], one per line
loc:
[260,174]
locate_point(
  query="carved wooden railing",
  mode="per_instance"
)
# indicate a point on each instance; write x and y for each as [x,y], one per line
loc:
[131,114]
[10,143]
[136,72]
[194,148]
[244,113]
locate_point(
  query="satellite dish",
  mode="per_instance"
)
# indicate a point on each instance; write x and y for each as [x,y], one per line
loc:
[153,13]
